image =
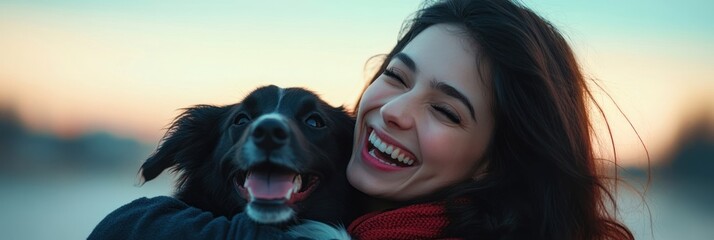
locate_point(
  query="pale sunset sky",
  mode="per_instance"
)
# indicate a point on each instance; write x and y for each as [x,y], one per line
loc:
[126,67]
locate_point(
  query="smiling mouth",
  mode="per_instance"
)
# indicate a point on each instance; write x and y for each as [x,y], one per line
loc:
[387,153]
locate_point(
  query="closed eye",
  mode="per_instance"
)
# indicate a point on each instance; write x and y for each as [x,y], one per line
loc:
[448,113]
[389,72]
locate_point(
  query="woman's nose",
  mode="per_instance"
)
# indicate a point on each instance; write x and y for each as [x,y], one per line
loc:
[398,113]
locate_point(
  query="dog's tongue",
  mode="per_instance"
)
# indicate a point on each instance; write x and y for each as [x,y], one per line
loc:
[270,185]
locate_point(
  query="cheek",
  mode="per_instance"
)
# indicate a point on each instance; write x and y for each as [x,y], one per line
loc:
[373,96]
[438,148]
[450,154]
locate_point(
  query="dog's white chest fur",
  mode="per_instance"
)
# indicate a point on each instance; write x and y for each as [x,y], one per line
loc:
[317,230]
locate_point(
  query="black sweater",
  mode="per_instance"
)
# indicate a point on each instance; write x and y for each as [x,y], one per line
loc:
[168,218]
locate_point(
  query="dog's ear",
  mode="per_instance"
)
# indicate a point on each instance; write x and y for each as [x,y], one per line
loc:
[190,138]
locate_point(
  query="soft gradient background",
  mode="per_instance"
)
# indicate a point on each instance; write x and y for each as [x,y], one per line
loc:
[87,88]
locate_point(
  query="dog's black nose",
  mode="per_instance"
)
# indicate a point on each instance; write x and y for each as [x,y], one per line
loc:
[270,134]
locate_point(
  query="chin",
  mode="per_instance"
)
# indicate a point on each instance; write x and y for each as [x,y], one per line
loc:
[361,179]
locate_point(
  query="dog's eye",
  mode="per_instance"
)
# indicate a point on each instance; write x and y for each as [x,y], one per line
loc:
[315,121]
[241,119]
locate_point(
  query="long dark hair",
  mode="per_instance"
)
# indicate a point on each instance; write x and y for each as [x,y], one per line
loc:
[542,179]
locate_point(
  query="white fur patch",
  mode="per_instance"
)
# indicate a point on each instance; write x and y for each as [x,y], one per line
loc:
[262,217]
[281,93]
[317,230]
[276,116]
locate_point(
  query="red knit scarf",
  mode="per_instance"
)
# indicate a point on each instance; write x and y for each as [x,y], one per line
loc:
[419,221]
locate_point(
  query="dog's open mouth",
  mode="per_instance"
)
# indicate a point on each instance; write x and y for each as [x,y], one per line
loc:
[275,184]
[272,191]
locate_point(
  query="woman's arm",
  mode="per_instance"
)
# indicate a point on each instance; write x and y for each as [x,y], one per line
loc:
[168,218]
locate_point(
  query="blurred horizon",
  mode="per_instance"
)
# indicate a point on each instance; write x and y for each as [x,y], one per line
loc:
[87,89]
[128,67]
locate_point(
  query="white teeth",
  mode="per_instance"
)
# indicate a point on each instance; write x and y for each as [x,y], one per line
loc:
[288,195]
[389,150]
[297,183]
[245,183]
[382,146]
[371,152]
[393,151]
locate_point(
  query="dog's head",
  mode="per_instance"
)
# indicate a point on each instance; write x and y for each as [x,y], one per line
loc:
[278,154]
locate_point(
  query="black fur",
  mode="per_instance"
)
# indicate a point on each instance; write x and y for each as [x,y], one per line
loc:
[204,145]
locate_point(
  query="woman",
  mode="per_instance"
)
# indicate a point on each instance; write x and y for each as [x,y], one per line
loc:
[488,102]
[475,126]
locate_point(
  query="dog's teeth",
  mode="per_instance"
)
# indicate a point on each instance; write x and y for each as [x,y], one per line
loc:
[400,157]
[245,183]
[410,162]
[288,195]
[389,150]
[297,184]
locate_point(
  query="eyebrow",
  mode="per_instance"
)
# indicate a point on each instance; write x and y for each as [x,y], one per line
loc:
[452,92]
[406,60]
[441,86]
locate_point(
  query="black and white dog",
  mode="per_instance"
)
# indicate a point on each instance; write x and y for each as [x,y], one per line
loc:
[279,155]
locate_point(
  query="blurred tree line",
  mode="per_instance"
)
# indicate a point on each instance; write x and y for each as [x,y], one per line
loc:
[24,152]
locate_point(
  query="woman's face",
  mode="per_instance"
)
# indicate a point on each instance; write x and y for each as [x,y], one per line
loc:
[425,122]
